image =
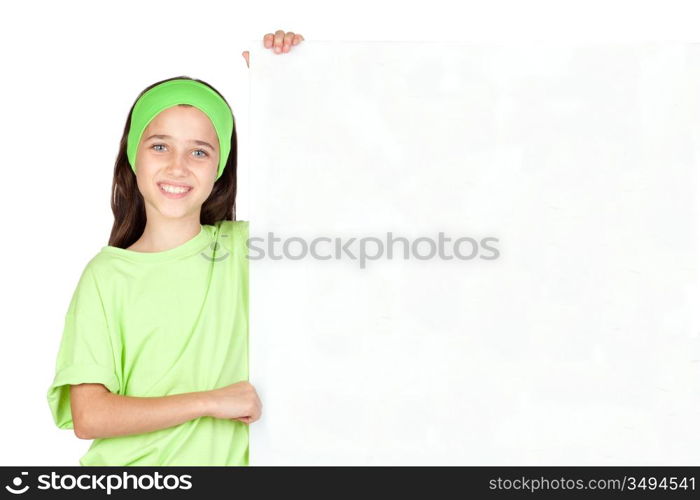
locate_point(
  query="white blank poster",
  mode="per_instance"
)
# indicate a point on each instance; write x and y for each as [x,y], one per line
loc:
[578,345]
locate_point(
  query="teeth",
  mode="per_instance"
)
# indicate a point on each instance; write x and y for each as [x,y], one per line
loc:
[173,189]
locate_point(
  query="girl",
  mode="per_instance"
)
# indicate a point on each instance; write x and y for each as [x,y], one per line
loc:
[153,362]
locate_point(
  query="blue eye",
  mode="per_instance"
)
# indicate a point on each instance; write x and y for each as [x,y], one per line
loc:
[156,145]
[205,153]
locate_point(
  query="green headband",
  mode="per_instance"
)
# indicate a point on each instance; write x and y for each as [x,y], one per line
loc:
[181,91]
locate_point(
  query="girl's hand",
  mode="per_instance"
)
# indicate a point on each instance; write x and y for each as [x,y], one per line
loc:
[280,42]
[237,401]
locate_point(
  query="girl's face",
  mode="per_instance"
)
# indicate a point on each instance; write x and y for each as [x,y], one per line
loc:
[178,148]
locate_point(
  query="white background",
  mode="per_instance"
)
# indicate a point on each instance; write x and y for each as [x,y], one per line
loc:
[71,70]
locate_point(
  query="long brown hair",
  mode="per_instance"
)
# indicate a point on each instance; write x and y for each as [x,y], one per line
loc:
[128,205]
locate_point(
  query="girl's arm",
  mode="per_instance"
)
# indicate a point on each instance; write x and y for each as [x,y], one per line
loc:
[98,413]
[280,42]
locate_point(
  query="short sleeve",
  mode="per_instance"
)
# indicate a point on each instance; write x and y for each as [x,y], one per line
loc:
[239,229]
[85,353]
[238,232]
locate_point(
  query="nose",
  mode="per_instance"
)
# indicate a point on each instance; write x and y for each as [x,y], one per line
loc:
[177,165]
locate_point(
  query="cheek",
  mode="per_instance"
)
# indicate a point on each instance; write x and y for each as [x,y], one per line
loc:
[145,176]
[206,184]
[145,173]
[209,173]
[147,163]
[205,181]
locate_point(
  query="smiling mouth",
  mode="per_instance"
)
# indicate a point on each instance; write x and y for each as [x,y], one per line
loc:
[172,191]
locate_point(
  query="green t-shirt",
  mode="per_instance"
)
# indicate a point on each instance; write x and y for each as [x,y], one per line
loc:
[156,324]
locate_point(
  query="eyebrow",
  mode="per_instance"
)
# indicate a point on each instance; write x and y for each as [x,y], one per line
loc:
[164,136]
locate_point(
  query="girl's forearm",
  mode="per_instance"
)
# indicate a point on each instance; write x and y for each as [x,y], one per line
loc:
[111,415]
